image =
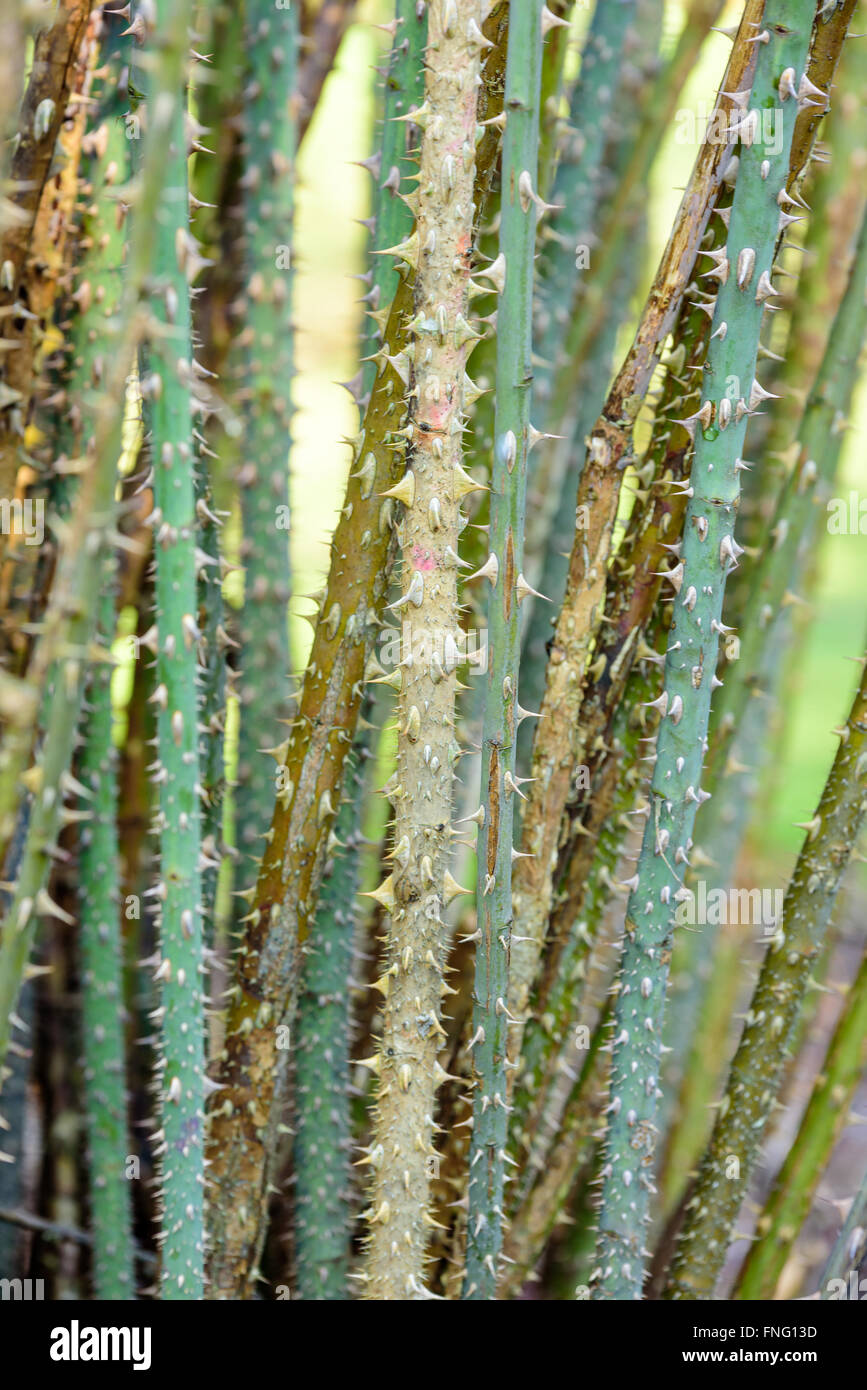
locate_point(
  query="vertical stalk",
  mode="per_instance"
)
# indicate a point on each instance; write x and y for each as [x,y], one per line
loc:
[102,1011]
[323,1136]
[431,491]
[503,570]
[168,389]
[772,1017]
[393,166]
[730,393]
[98,296]
[270,126]
[609,447]
[789,1203]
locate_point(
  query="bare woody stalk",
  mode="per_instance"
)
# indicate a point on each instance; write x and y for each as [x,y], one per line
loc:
[431,490]
[555,752]
[513,272]
[742,268]
[754,1080]
[251,1070]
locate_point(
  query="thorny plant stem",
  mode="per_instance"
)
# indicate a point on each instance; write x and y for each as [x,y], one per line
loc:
[503,571]
[742,268]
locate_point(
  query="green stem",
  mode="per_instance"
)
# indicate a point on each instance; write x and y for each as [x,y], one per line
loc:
[850,1246]
[512,443]
[252,1071]
[772,1017]
[789,1203]
[323,1136]
[430,492]
[102,1009]
[167,388]
[70,620]
[270,126]
[708,552]
[393,166]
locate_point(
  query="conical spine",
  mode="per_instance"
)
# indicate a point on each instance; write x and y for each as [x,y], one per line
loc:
[499,788]
[708,553]
[819,441]
[431,491]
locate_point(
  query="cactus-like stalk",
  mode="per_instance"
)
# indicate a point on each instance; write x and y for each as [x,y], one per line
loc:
[504,571]
[613,708]
[652,96]
[755,1073]
[741,712]
[569,1156]
[820,439]
[102,1012]
[431,491]
[252,1071]
[558,1001]
[269,144]
[836,197]
[826,1114]
[322,1124]
[583,606]
[167,388]
[99,292]
[553,67]
[213,686]
[708,552]
[393,164]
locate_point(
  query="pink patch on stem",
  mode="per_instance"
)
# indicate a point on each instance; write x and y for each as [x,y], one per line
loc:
[423,560]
